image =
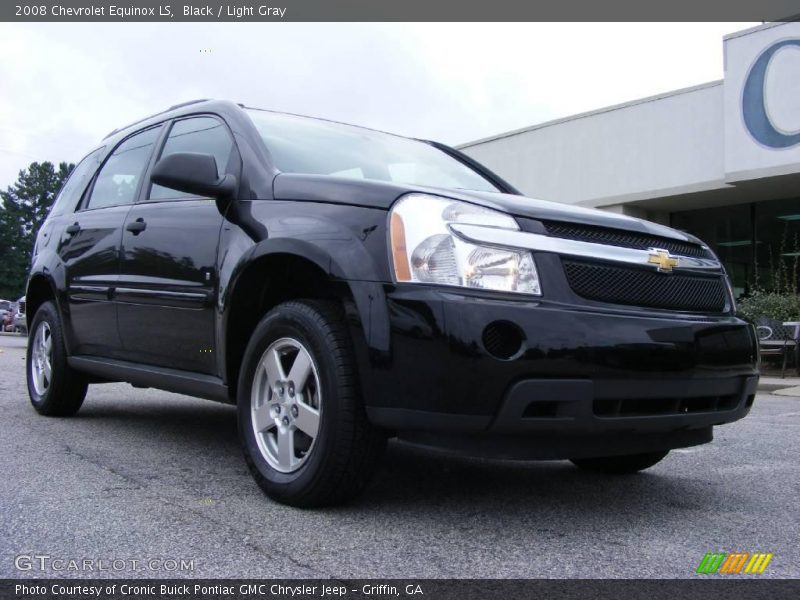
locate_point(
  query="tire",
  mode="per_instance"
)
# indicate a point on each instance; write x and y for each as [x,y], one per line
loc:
[333,450]
[620,465]
[61,393]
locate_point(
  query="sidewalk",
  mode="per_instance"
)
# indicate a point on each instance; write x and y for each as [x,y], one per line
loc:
[787,386]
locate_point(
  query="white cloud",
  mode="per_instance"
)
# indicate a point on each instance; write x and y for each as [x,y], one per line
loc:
[64,86]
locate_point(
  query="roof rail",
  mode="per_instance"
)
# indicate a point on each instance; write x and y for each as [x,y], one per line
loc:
[188,103]
[173,107]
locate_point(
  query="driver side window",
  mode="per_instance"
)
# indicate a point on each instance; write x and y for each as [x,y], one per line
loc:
[205,135]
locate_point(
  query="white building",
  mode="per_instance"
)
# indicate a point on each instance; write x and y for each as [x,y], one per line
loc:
[720,160]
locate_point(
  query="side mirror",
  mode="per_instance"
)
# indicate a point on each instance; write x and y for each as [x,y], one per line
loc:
[193,173]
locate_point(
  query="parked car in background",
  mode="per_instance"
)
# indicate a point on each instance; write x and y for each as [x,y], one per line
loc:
[12,316]
[8,321]
[20,323]
[5,308]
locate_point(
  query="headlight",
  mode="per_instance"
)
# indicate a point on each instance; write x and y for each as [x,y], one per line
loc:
[731,291]
[727,278]
[424,249]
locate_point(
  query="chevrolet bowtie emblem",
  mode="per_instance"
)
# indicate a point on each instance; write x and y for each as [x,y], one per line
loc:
[662,259]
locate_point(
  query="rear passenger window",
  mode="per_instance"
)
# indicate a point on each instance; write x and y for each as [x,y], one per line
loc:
[119,177]
[73,189]
[205,135]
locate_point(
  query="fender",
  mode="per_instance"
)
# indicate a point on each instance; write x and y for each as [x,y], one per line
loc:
[346,254]
[301,248]
[369,296]
[47,266]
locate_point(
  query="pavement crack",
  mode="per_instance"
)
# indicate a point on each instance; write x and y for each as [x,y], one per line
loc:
[138,485]
[72,452]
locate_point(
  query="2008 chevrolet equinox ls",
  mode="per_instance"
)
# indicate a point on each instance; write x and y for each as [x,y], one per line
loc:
[342,286]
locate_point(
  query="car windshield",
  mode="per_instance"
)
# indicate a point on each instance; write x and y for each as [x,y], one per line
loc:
[316,147]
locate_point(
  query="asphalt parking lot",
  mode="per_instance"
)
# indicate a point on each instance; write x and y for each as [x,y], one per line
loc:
[143,474]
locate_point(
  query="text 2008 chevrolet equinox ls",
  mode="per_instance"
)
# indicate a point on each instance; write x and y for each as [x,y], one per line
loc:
[342,285]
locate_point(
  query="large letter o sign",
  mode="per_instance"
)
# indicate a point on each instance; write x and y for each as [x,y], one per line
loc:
[754,110]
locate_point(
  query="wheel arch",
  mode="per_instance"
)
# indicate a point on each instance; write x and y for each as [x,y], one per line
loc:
[40,289]
[275,273]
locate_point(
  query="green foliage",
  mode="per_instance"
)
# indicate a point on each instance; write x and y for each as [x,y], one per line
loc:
[783,266]
[24,208]
[775,294]
[771,305]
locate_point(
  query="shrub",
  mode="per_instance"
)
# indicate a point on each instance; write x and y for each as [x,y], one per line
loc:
[771,305]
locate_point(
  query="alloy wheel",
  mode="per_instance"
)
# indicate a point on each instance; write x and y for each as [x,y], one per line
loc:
[286,404]
[42,359]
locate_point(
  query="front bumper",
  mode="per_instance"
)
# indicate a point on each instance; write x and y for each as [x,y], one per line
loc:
[579,371]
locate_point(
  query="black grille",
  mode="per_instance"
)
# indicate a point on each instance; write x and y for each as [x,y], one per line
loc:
[625,239]
[639,287]
[641,407]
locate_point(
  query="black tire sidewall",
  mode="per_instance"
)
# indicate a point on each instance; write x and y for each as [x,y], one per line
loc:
[48,313]
[292,323]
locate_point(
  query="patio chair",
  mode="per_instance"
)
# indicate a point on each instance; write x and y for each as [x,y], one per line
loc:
[777,339]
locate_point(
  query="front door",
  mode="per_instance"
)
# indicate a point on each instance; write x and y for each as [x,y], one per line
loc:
[90,246]
[168,284]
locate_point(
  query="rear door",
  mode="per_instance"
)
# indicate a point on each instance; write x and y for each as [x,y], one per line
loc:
[168,283]
[90,245]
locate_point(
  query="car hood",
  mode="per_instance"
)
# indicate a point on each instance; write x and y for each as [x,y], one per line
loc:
[378,194]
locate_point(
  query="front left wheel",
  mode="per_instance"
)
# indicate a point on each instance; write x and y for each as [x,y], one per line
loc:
[303,427]
[55,390]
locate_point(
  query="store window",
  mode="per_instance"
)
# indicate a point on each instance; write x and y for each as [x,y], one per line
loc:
[759,243]
[777,253]
[728,230]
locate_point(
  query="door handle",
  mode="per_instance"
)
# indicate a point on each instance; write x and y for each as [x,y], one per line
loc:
[136,227]
[73,229]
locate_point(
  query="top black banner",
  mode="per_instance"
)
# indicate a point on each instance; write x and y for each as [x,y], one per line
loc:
[393,11]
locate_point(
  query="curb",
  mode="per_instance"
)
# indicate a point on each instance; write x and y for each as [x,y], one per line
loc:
[787,389]
[773,387]
[791,392]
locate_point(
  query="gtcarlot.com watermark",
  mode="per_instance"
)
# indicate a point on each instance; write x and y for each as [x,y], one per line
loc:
[46,563]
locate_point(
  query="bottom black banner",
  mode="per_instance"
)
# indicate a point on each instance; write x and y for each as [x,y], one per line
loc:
[354,589]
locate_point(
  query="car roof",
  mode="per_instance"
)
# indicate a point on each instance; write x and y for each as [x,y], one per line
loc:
[236,117]
[175,110]
[222,106]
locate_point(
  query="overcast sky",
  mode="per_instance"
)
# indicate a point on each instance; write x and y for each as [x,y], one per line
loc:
[64,86]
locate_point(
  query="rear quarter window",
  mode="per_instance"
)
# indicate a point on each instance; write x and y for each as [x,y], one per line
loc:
[76,183]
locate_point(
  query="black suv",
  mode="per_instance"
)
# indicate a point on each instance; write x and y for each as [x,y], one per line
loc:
[342,285]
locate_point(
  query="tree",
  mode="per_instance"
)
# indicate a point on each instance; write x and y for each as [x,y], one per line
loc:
[24,208]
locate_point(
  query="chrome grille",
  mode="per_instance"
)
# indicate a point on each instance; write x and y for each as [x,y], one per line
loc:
[625,239]
[645,287]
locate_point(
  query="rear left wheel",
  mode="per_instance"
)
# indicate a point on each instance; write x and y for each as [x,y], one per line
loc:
[55,390]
